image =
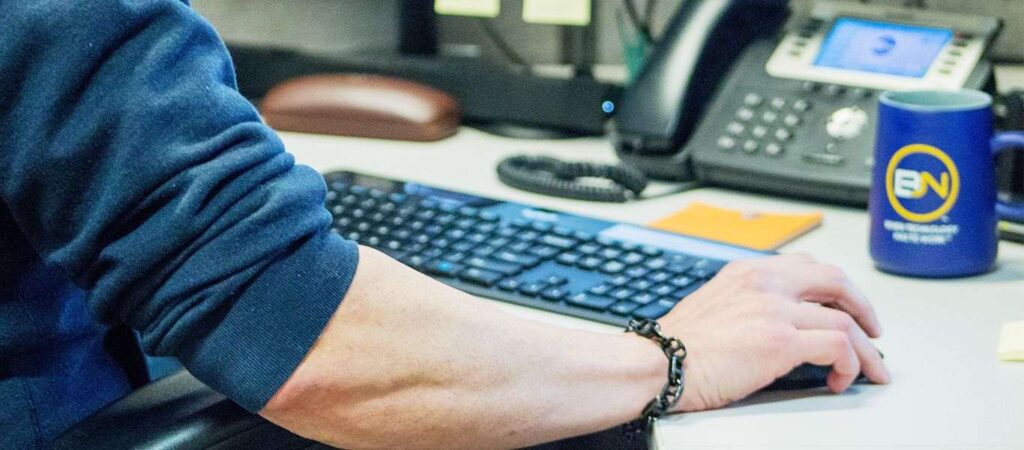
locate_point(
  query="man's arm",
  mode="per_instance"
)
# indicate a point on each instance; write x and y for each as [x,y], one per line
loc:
[129,160]
[407,362]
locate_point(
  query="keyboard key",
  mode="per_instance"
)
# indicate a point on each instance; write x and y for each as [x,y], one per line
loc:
[434,253]
[654,310]
[651,251]
[620,280]
[517,258]
[532,288]
[613,267]
[569,259]
[659,277]
[480,276]
[507,232]
[583,236]
[562,231]
[488,216]
[685,292]
[554,294]
[622,294]
[641,285]
[443,268]
[485,250]
[518,247]
[600,289]
[493,266]
[555,280]
[590,263]
[623,308]
[544,251]
[463,246]
[682,282]
[703,273]
[610,253]
[557,241]
[509,284]
[591,301]
[637,272]
[542,227]
[632,258]
[663,290]
[679,268]
[414,261]
[588,249]
[644,298]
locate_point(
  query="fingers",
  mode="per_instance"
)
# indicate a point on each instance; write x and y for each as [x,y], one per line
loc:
[829,285]
[809,280]
[830,348]
[809,316]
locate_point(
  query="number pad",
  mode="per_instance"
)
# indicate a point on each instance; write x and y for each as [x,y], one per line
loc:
[764,124]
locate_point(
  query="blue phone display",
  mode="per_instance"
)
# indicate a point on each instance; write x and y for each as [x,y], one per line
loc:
[879,47]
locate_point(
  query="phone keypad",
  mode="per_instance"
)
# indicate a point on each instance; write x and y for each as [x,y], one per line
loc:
[764,125]
[768,125]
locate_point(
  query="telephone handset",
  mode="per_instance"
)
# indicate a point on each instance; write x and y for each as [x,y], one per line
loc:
[736,96]
[660,109]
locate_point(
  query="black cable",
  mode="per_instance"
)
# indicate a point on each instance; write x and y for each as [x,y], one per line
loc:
[549,176]
[503,46]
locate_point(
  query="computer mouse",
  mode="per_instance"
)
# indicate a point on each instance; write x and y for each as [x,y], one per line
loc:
[363,106]
[808,376]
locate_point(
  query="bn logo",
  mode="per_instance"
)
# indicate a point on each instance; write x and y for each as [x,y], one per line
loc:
[926,190]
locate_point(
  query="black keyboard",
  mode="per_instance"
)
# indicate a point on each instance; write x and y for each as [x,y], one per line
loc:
[565,263]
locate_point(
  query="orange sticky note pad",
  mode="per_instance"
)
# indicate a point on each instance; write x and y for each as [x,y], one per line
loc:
[760,231]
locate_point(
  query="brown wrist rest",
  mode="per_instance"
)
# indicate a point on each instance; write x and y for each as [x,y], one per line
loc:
[363,106]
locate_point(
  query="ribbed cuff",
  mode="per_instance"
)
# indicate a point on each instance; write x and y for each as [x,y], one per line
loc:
[271,327]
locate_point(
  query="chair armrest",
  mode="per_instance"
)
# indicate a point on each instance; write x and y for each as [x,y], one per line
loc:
[177,411]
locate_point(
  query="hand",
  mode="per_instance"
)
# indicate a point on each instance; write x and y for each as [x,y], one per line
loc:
[759,319]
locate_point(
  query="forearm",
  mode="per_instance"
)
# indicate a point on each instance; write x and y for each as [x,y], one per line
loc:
[407,361]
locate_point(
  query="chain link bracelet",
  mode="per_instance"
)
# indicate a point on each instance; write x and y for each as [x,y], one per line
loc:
[670,395]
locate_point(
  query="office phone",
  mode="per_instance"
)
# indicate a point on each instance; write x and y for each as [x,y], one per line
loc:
[741,94]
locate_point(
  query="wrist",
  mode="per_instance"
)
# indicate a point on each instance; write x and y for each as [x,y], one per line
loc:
[649,370]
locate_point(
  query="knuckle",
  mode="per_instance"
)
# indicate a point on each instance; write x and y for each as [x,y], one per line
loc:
[845,323]
[838,342]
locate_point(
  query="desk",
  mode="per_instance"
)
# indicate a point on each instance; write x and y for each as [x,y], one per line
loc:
[949,391]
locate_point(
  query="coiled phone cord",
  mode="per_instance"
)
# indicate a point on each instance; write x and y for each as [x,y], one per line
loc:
[549,176]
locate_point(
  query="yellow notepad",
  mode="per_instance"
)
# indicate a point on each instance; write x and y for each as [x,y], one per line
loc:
[761,231]
[1011,342]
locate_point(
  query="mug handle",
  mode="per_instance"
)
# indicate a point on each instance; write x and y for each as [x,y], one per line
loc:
[1000,143]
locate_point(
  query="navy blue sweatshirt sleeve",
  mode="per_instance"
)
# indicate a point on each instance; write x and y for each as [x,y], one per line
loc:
[129,160]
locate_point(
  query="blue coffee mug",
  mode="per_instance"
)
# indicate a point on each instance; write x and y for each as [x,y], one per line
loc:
[933,203]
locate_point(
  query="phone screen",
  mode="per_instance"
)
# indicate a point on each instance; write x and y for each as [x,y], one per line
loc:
[881,47]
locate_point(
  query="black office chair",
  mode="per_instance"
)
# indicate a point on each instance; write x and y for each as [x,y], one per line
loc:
[179,411]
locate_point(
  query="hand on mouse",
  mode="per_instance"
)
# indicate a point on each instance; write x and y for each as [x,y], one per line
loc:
[759,319]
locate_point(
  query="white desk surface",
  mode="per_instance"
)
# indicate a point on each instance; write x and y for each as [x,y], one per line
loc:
[948,389]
